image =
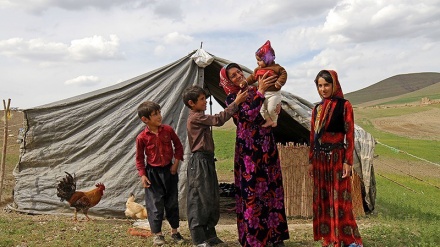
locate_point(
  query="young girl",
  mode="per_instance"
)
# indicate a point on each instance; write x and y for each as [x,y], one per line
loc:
[265,56]
[331,158]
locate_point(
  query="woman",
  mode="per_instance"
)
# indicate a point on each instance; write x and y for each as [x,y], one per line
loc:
[261,217]
[331,159]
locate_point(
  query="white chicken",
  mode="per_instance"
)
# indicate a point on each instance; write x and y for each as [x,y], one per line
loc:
[135,210]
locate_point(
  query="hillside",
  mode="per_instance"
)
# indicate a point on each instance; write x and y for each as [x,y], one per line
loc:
[431,92]
[393,87]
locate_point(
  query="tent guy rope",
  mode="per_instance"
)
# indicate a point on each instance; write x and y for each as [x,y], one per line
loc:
[401,151]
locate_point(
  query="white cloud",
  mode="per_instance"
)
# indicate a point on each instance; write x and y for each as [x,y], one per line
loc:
[95,48]
[364,40]
[280,11]
[176,38]
[361,65]
[83,50]
[170,9]
[34,49]
[158,50]
[83,80]
[371,20]
[40,6]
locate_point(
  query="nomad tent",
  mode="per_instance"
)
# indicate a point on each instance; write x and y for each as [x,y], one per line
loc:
[93,136]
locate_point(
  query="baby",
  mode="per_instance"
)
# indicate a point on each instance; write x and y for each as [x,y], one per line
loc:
[265,56]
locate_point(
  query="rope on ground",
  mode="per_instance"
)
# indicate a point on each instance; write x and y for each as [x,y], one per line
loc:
[406,187]
[401,151]
[414,177]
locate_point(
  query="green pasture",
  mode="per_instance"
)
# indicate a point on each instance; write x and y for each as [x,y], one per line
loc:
[224,152]
[407,210]
[427,149]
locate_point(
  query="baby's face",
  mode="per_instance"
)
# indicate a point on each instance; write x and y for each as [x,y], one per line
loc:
[260,62]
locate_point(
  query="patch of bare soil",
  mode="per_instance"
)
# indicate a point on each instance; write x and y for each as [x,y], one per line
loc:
[422,125]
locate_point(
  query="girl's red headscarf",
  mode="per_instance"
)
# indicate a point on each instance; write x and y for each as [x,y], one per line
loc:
[337,90]
[323,109]
[227,84]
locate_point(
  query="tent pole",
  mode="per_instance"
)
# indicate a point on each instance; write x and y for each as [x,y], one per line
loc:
[201,83]
[201,76]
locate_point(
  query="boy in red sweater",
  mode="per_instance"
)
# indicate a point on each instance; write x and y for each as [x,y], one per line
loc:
[159,177]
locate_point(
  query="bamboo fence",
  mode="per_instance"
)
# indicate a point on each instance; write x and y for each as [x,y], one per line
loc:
[298,185]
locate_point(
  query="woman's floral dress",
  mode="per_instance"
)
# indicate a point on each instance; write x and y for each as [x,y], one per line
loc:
[261,217]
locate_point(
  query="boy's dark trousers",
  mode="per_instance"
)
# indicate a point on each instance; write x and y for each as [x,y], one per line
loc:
[203,197]
[162,195]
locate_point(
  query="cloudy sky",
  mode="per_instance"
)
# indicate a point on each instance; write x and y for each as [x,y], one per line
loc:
[55,49]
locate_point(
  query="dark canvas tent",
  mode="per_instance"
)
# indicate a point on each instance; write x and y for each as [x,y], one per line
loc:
[93,136]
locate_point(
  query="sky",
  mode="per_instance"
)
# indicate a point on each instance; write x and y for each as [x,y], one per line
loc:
[55,49]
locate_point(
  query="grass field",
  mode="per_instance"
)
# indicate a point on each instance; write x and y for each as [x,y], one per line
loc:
[224,139]
[407,207]
[422,147]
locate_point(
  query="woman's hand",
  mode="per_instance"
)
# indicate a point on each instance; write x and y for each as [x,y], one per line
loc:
[310,171]
[241,96]
[265,82]
[346,170]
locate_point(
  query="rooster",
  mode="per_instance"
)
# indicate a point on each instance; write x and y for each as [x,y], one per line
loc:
[77,199]
[135,210]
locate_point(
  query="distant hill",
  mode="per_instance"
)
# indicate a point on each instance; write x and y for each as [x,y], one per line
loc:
[394,86]
[432,92]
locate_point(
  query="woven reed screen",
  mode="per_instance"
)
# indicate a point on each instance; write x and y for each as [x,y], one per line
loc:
[298,186]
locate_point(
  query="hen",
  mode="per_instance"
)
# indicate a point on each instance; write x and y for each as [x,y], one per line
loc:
[135,210]
[77,199]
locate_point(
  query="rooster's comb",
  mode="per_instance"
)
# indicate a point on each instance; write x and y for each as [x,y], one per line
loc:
[100,185]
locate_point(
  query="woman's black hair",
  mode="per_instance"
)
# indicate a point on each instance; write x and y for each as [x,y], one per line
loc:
[232,65]
[324,74]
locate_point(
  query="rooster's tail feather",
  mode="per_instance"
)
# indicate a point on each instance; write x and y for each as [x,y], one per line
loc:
[66,187]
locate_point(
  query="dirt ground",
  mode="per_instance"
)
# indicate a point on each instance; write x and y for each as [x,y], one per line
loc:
[421,125]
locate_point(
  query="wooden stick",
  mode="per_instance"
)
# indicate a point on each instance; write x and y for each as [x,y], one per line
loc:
[5,139]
